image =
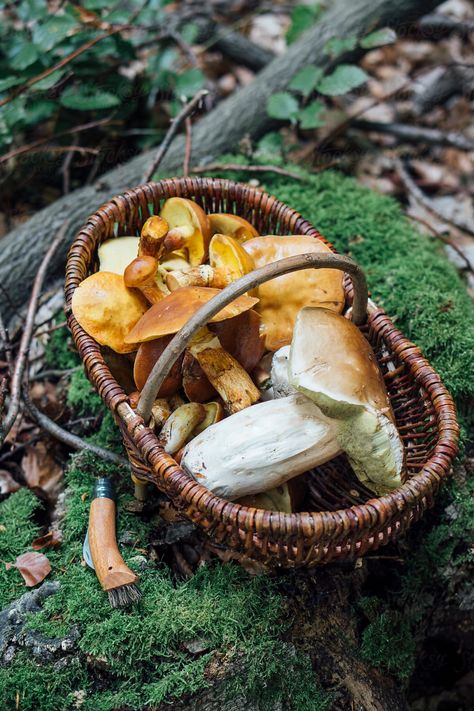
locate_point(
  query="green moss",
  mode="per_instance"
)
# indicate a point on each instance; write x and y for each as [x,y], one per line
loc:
[60,350]
[238,618]
[82,397]
[17,530]
[388,641]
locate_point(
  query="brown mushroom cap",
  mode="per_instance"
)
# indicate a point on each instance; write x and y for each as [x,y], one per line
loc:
[227,224]
[147,355]
[196,385]
[140,271]
[107,310]
[170,314]
[181,212]
[241,337]
[281,299]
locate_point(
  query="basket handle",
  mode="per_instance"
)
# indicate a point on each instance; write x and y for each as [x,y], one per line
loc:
[284,266]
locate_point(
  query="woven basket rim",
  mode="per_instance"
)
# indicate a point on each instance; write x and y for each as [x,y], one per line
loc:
[182,485]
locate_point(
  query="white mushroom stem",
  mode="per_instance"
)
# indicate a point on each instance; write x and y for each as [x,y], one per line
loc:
[180,425]
[261,447]
[231,381]
[203,275]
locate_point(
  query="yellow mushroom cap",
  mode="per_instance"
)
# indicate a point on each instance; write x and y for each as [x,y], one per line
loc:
[107,310]
[227,224]
[183,213]
[117,253]
[281,299]
[225,252]
[170,314]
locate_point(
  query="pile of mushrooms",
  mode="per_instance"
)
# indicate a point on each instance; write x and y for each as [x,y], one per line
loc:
[279,381]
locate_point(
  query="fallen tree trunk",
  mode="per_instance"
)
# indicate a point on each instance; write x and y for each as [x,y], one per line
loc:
[242,114]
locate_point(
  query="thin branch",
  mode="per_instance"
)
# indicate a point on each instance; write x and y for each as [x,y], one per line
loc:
[211,167]
[444,239]
[66,60]
[5,344]
[30,147]
[54,373]
[188,146]
[19,369]
[417,134]
[419,196]
[186,111]
[66,437]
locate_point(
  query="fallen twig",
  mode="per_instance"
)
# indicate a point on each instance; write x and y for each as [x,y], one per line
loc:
[417,134]
[20,363]
[186,111]
[211,167]
[5,345]
[188,146]
[444,239]
[32,146]
[66,437]
[435,26]
[424,200]
[54,373]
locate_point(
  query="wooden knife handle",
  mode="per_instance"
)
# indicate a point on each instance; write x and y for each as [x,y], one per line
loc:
[110,567]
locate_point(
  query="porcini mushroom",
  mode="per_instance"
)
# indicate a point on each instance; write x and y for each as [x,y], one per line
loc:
[141,274]
[188,228]
[196,385]
[107,310]
[116,254]
[281,298]
[224,372]
[333,364]
[227,376]
[261,447]
[152,237]
[228,224]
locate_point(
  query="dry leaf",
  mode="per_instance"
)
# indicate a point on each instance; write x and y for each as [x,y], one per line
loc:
[49,540]
[41,471]
[7,483]
[33,567]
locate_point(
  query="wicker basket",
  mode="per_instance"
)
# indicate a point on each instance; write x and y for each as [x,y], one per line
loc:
[345,520]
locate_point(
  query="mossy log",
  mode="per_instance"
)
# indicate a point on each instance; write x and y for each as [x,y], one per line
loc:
[242,114]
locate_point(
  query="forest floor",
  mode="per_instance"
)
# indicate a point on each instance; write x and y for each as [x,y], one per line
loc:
[401,619]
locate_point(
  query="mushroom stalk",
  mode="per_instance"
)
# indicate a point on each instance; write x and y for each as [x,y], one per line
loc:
[204,275]
[141,274]
[180,426]
[231,381]
[152,237]
[261,447]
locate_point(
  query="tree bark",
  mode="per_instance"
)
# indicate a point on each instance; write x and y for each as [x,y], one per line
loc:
[241,114]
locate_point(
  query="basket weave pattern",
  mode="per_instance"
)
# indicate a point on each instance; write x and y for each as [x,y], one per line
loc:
[345,520]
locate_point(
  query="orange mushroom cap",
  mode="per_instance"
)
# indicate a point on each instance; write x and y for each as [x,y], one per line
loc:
[281,299]
[170,314]
[227,253]
[107,310]
[181,213]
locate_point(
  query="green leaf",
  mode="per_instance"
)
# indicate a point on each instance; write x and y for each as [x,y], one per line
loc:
[189,32]
[88,99]
[53,31]
[189,82]
[338,45]
[305,80]
[378,38]
[9,82]
[282,106]
[309,117]
[25,56]
[302,17]
[343,79]
[14,112]
[49,81]
[39,111]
